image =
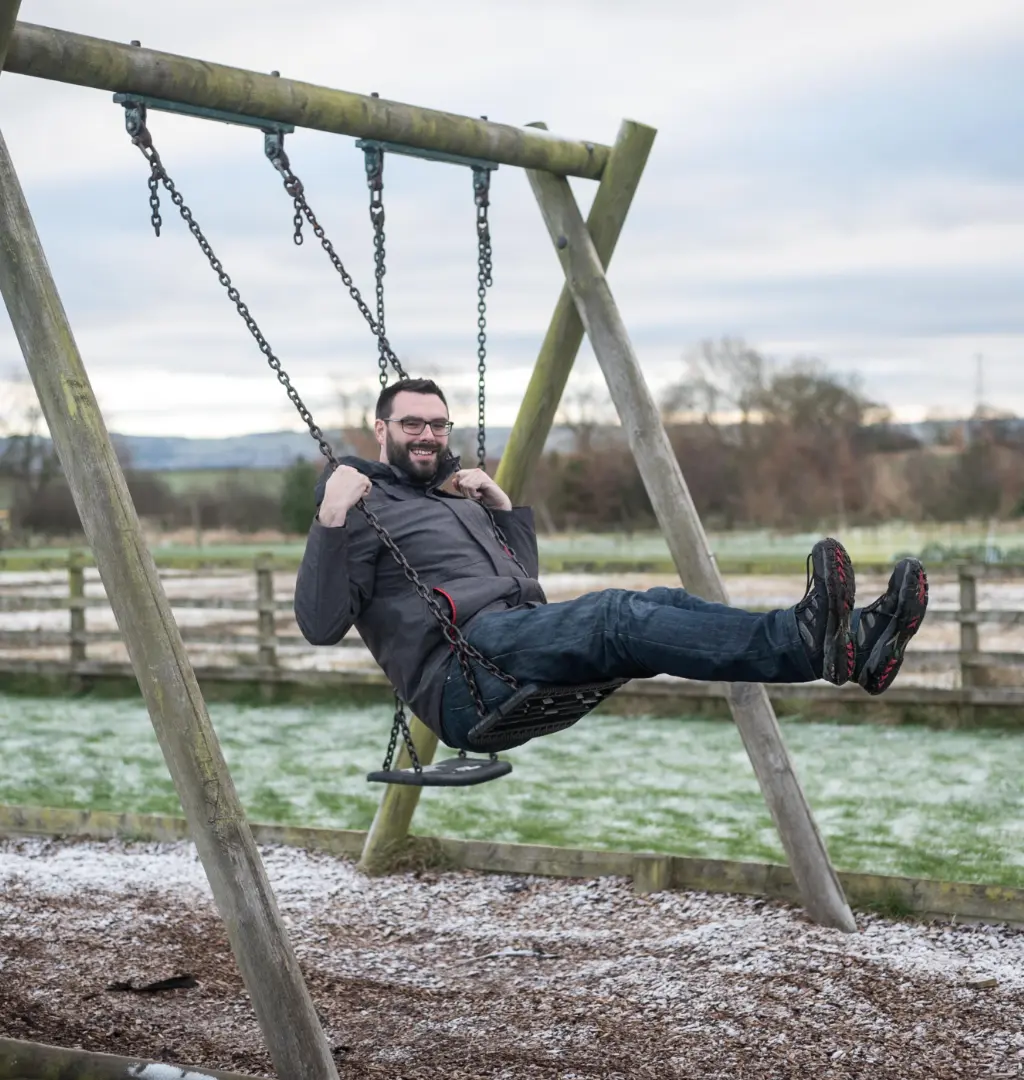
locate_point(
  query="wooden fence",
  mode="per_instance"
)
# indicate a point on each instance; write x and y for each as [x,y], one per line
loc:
[257,648]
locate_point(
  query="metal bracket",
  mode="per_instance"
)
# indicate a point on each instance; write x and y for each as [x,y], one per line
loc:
[134,116]
[273,148]
[138,101]
[481,186]
[427,155]
[373,155]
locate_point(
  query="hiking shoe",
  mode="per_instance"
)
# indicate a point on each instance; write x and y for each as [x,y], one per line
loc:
[823,615]
[886,626]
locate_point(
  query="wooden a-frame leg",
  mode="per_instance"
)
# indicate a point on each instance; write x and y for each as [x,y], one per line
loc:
[751,709]
[526,443]
[284,1009]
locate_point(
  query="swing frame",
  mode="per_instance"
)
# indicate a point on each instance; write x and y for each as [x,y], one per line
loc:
[295,1039]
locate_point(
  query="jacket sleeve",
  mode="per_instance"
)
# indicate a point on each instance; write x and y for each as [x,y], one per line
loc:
[517,525]
[336,578]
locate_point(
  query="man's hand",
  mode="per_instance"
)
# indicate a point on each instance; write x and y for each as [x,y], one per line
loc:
[477,485]
[345,487]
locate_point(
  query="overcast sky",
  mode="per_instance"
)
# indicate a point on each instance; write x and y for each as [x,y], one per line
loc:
[829,179]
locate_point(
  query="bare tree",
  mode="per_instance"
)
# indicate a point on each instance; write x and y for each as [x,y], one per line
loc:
[27,458]
[584,410]
[720,377]
[780,444]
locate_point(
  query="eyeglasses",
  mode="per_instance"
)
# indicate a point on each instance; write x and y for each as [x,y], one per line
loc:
[414,425]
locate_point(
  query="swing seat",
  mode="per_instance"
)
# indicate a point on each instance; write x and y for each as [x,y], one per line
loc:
[537,710]
[531,711]
[452,772]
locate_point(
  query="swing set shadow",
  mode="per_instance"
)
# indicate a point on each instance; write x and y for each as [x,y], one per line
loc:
[143,79]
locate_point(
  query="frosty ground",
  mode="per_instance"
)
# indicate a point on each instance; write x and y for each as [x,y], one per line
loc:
[489,976]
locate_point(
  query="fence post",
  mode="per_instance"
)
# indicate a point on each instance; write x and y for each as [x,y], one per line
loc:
[76,607]
[265,620]
[969,636]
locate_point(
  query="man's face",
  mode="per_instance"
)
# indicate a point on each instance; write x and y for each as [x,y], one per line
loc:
[417,455]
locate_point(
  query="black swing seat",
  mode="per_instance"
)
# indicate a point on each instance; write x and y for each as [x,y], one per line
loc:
[451,772]
[531,711]
[537,710]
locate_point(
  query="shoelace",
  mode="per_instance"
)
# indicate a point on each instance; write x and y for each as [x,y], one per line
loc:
[810,579]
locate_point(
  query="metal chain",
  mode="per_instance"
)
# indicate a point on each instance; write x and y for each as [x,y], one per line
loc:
[503,540]
[484,280]
[297,237]
[374,159]
[464,652]
[154,203]
[400,726]
[274,149]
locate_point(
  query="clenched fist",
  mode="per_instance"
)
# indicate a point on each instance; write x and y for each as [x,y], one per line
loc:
[345,487]
[477,485]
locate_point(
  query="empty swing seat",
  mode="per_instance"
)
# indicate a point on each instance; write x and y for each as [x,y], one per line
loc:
[458,771]
[531,711]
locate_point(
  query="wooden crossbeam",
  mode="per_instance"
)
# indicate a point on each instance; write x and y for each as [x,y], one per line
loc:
[59,55]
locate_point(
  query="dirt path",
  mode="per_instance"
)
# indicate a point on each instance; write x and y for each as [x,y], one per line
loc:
[486,976]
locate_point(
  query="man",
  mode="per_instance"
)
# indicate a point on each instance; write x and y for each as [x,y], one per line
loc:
[443,520]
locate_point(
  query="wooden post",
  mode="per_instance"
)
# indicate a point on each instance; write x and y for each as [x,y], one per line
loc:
[970,638]
[651,873]
[112,65]
[611,204]
[751,709]
[28,1059]
[607,216]
[265,611]
[390,827]
[295,1039]
[76,607]
[8,19]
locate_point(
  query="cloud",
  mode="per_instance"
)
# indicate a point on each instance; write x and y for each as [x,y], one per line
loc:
[844,181]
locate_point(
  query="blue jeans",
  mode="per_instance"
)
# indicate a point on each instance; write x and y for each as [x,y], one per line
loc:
[619,633]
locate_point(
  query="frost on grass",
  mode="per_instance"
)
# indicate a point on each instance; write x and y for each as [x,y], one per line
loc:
[905,801]
[472,975]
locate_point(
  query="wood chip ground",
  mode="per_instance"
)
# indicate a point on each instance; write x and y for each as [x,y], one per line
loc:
[464,975]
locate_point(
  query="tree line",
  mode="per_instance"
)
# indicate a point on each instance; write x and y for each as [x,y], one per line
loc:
[761,444]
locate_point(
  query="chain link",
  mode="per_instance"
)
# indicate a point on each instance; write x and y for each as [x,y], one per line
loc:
[464,652]
[294,186]
[484,280]
[400,726]
[374,158]
[154,202]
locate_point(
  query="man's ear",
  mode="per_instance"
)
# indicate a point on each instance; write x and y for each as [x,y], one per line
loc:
[380,430]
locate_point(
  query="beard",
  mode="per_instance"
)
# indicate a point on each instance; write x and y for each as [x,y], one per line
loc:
[422,470]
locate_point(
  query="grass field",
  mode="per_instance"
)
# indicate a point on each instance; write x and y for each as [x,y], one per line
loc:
[755,551]
[889,800]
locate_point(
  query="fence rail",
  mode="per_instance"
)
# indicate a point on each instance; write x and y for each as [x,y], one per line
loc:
[252,632]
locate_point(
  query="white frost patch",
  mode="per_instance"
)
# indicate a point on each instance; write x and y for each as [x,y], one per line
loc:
[166,1072]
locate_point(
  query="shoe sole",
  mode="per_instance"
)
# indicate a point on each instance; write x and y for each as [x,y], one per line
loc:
[886,658]
[840,650]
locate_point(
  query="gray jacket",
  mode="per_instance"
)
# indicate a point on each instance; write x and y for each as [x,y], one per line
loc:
[348,577]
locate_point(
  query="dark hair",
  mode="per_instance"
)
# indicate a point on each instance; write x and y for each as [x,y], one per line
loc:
[414,386]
